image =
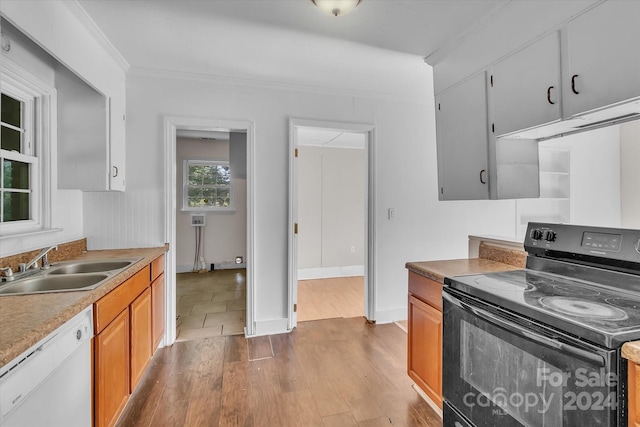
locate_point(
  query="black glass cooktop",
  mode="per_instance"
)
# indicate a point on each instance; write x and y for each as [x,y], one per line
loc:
[602,315]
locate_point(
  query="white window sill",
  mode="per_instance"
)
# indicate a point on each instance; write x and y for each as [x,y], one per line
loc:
[27,233]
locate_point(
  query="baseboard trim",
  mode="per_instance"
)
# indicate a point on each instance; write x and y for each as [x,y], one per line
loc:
[271,327]
[390,316]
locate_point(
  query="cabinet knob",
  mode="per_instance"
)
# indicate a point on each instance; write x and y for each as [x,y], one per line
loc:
[483,176]
[573,84]
[549,95]
[115,171]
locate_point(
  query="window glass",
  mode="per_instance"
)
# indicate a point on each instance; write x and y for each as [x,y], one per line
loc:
[207,185]
[15,207]
[16,175]
[11,111]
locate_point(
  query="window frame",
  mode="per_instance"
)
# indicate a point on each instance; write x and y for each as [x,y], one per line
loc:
[39,125]
[185,187]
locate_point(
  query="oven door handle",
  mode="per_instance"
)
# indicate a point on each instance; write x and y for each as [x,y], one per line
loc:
[523,332]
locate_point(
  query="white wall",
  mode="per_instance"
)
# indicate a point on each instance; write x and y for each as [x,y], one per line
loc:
[331,209]
[225,233]
[594,176]
[406,179]
[630,174]
[66,205]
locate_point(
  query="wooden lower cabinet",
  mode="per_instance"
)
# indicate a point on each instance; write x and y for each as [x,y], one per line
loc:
[633,395]
[157,309]
[111,368]
[141,336]
[129,323]
[425,348]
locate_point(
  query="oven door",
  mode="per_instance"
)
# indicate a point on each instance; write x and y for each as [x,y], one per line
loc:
[504,370]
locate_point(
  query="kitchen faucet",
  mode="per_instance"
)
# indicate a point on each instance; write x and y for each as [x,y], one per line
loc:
[34,262]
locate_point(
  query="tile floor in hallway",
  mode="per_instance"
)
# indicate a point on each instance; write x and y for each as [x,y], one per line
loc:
[211,304]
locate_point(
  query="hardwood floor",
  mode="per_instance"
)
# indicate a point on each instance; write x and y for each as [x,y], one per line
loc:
[334,372]
[328,298]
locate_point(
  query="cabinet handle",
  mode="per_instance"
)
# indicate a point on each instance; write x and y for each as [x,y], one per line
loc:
[573,84]
[549,95]
[483,173]
[115,171]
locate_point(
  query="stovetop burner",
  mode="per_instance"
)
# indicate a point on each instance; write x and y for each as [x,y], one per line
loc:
[582,308]
[600,314]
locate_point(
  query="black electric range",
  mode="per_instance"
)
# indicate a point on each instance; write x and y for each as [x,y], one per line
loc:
[541,346]
[585,281]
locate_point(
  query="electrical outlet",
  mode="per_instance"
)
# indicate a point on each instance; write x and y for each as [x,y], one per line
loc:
[353,249]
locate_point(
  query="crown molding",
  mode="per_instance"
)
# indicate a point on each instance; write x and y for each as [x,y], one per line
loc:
[79,12]
[247,81]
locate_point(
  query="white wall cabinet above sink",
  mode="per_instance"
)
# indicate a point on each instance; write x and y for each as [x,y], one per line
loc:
[90,82]
[90,136]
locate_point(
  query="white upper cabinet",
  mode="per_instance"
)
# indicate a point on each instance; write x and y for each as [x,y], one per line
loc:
[462,140]
[526,87]
[90,82]
[603,65]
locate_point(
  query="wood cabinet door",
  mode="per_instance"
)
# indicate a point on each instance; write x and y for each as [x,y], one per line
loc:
[462,140]
[111,370]
[141,339]
[157,310]
[526,88]
[425,348]
[633,395]
[603,56]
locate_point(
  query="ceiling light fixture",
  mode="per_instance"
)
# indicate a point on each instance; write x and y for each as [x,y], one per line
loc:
[336,7]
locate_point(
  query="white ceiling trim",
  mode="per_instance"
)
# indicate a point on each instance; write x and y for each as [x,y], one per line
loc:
[76,8]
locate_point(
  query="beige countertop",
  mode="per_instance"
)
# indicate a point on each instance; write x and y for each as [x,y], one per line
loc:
[26,319]
[631,351]
[438,270]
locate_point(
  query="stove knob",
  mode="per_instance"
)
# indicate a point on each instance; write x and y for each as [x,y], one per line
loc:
[536,234]
[549,236]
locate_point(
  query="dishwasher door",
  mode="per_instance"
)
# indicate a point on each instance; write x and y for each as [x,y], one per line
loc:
[50,384]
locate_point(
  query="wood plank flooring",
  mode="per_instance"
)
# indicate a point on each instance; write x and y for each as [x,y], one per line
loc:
[332,297]
[334,372]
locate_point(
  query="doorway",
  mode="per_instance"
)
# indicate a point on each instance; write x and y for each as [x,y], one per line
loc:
[210,233]
[176,128]
[331,198]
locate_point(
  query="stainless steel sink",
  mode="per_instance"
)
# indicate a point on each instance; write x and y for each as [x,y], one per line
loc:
[89,266]
[67,276]
[55,283]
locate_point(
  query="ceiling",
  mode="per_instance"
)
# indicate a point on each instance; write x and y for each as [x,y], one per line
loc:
[379,47]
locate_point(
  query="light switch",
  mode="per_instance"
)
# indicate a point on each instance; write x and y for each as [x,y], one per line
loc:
[392,213]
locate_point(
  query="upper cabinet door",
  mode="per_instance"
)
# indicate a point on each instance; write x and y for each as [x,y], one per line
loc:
[526,87]
[603,56]
[462,140]
[117,143]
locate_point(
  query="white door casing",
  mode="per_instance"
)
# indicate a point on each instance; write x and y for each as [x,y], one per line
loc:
[369,267]
[171,125]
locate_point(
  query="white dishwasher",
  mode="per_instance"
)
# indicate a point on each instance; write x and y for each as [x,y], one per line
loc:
[50,384]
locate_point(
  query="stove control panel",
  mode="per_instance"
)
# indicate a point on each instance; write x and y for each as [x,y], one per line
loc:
[542,234]
[575,241]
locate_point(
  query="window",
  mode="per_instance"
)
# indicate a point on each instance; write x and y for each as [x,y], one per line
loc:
[24,132]
[207,186]
[19,172]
